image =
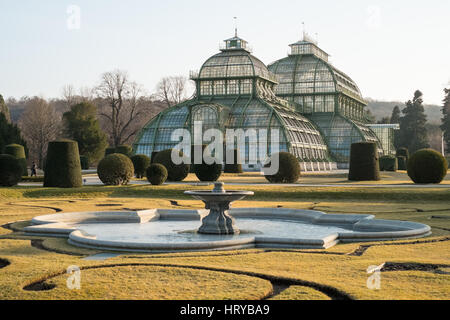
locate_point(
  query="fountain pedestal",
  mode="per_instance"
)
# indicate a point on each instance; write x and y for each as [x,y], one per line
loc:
[218,202]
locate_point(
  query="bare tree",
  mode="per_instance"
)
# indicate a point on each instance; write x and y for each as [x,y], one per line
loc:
[172,90]
[124,105]
[40,124]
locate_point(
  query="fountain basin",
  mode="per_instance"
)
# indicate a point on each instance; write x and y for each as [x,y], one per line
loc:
[157,230]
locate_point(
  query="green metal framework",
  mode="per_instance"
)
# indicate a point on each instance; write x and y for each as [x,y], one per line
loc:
[235,90]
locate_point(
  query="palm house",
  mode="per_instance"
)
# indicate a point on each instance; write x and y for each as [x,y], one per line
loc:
[317,109]
[329,98]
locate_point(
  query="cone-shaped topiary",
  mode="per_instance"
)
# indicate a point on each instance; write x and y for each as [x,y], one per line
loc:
[288,171]
[427,166]
[156,174]
[364,162]
[124,149]
[388,163]
[140,163]
[176,172]
[10,170]
[236,166]
[115,170]
[63,167]
[208,172]
[18,152]
[84,161]
[110,150]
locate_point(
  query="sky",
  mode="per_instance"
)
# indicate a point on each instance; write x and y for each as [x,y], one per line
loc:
[389,48]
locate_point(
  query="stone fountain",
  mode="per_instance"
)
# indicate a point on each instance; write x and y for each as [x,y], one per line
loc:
[218,202]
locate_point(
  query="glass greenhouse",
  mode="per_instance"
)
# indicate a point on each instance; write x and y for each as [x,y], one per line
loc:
[326,96]
[317,109]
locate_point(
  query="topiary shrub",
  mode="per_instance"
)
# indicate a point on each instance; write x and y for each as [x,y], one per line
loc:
[236,167]
[156,174]
[289,169]
[427,166]
[110,150]
[403,152]
[388,163]
[402,163]
[208,172]
[18,152]
[63,167]
[115,170]
[124,149]
[176,172]
[153,156]
[140,163]
[84,161]
[10,170]
[364,162]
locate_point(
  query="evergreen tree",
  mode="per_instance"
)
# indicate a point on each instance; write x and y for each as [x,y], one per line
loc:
[9,134]
[395,119]
[4,109]
[81,125]
[446,120]
[413,134]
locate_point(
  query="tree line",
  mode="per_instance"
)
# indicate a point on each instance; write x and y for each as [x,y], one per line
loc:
[111,113]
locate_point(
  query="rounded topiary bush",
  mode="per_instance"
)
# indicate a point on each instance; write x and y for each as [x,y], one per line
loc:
[364,162]
[388,163]
[124,149]
[18,152]
[427,166]
[62,166]
[208,172]
[288,171]
[10,170]
[110,150]
[176,172]
[115,170]
[140,163]
[156,174]
[84,161]
[236,166]
[153,156]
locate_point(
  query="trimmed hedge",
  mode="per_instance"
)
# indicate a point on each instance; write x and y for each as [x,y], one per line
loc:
[208,172]
[427,166]
[364,162]
[84,161]
[236,167]
[156,174]
[403,152]
[153,156]
[18,152]
[176,172]
[63,167]
[140,163]
[402,163]
[116,169]
[110,150]
[10,170]
[289,169]
[125,149]
[388,163]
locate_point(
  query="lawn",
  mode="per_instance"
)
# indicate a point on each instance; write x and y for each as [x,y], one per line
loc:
[415,269]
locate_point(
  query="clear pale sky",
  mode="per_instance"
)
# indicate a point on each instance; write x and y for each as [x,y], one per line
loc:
[390,48]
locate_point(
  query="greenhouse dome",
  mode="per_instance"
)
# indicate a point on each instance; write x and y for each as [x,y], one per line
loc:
[326,96]
[235,90]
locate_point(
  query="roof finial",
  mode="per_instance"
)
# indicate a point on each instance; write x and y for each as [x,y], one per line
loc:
[235,27]
[303,30]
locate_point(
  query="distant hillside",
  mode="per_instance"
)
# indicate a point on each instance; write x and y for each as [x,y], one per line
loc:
[382,109]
